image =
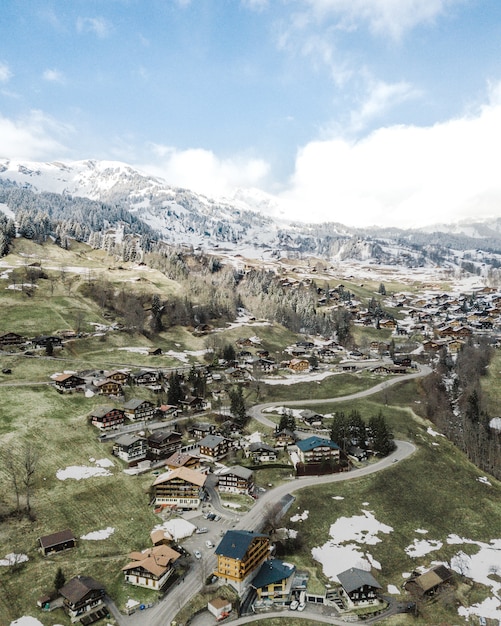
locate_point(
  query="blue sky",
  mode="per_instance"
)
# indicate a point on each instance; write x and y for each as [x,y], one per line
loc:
[358,111]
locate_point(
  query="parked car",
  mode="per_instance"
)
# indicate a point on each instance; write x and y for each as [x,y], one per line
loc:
[209,544]
[293,605]
[197,554]
[200,531]
[301,606]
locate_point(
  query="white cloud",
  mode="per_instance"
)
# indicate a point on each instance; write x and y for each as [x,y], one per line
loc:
[32,137]
[54,76]
[381,98]
[5,73]
[403,175]
[97,25]
[202,171]
[385,17]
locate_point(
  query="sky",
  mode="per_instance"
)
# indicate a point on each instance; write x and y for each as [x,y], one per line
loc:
[364,112]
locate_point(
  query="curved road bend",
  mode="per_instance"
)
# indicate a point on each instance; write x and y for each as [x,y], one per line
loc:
[165,611]
[257,411]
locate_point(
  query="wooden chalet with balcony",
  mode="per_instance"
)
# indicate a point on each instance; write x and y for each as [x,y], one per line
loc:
[83,600]
[360,587]
[236,479]
[214,446]
[130,448]
[181,487]
[66,383]
[151,568]
[183,459]
[138,410]
[106,417]
[163,443]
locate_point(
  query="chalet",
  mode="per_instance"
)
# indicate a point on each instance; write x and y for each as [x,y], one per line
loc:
[308,345]
[311,418]
[181,487]
[145,377]
[214,446]
[167,410]
[57,542]
[106,417]
[151,568]
[130,448]
[299,365]
[193,404]
[266,365]
[65,383]
[317,450]
[405,361]
[285,437]
[236,479]
[359,586]
[273,580]
[261,452]
[429,582]
[137,409]
[108,387]
[11,339]
[388,323]
[182,459]
[239,554]
[119,376]
[83,600]
[163,443]
[201,430]
[248,342]
[44,340]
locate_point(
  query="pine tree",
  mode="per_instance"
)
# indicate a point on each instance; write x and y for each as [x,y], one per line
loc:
[237,404]
[340,429]
[287,421]
[59,580]
[381,436]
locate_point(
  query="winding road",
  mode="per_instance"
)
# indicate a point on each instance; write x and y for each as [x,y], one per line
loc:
[164,612]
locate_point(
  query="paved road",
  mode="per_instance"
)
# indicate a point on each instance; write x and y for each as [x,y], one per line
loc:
[165,611]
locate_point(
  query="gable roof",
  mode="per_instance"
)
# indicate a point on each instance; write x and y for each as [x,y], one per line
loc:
[179,459]
[237,470]
[433,577]
[57,538]
[155,560]
[272,572]
[77,588]
[134,403]
[185,473]
[316,442]
[235,543]
[211,441]
[257,446]
[354,578]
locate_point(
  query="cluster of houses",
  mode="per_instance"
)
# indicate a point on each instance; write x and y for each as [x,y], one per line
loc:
[246,562]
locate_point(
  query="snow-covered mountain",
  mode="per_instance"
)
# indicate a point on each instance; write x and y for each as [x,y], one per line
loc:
[251,222]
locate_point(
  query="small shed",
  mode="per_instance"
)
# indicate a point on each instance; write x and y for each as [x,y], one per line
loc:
[57,542]
[219,607]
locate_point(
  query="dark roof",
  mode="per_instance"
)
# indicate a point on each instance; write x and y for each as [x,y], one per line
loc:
[272,572]
[101,411]
[261,447]
[235,543]
[57,538]
[354,578]
[133,403]
[159,436]
[77,588]
[211,441]
[239,471]
[315,442]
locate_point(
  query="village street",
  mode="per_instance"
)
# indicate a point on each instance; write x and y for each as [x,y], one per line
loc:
[164,612]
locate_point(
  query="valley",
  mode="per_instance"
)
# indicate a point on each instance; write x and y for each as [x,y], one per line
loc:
[433,506]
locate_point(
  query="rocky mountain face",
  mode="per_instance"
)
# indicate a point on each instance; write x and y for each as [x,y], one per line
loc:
[247,223]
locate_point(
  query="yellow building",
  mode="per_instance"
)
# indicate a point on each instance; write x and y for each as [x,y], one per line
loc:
[239,554]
